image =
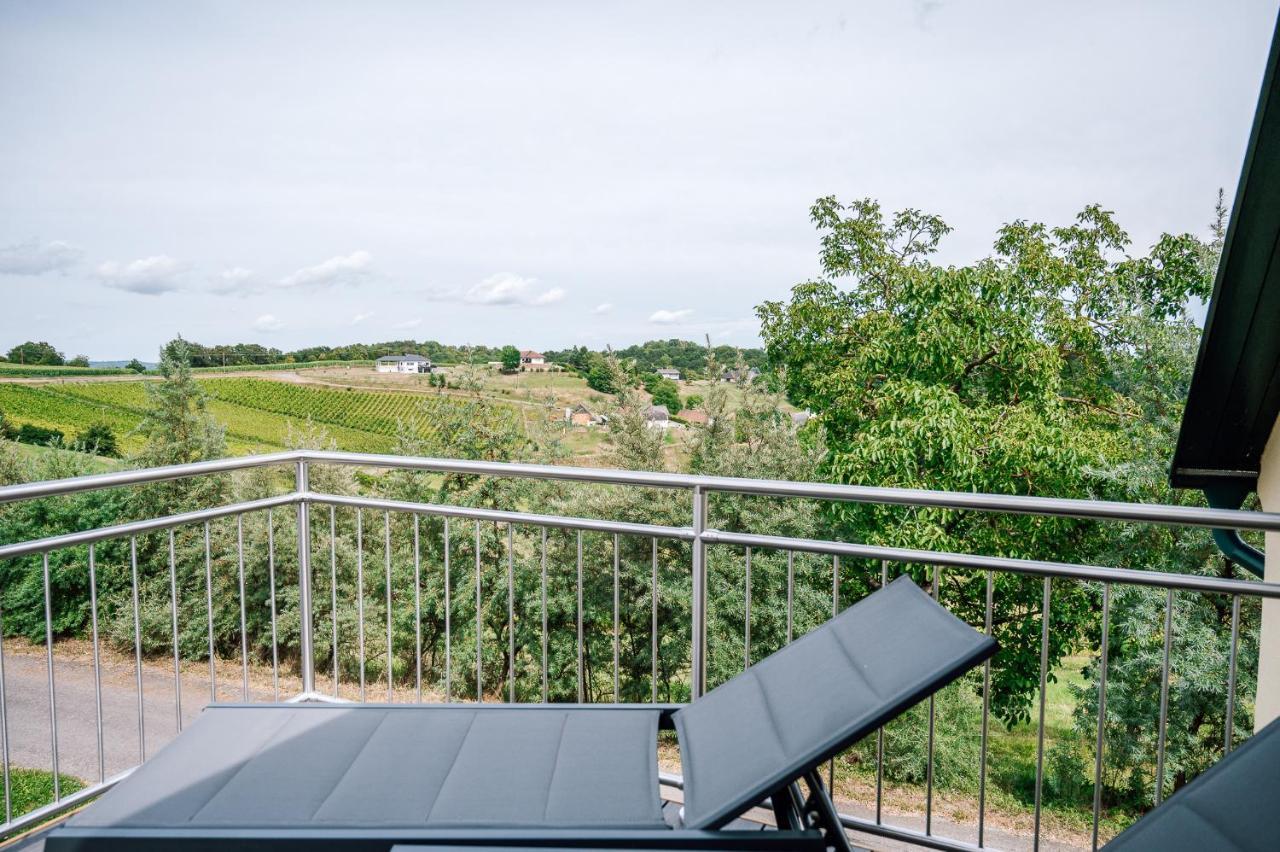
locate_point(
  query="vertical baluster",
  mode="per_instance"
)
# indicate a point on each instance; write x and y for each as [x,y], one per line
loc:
[746,613]
[417,612]
[884,581]
[386,552]
[544,614]
[580,666]
[1044,672]
[1231,673]
[986,717]
[333,594]
[448,626]
[4,732]
[1164,696]
[173,620]
[271,589]
[835,610]
[244,634]
[53,697]
[653,626]
[1102,710]
[617,636]
[928,767]
[511,615]
[479,625]
[791,583]
[208,612]
[360,594]
[137,649]
[97,658]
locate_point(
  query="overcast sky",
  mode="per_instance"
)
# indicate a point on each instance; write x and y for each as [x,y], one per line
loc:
[547,174]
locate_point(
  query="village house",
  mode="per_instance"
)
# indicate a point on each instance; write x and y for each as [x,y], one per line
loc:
[658,417]
[531,360]
[580,415]
[669,373]
[406,363]
[743,376]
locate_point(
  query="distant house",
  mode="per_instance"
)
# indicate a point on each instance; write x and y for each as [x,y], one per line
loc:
[403,364]
[658,417]
[532,359]
[742,376]
[669,373]
[694,417]
[580,415]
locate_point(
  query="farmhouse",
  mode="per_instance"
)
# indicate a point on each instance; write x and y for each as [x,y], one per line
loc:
[529,358]
[403,364]
[669,373]
[580,415]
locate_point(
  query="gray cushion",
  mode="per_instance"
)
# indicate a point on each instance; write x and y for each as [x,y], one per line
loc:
[314,766]
[817,696]
[1233,807]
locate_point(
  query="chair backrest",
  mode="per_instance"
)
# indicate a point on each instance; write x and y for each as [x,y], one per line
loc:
[817,696]
[1233,807]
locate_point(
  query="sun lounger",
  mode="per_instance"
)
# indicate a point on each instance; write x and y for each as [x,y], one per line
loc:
[369,777]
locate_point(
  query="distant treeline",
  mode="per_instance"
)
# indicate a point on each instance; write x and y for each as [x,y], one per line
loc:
[686,356]
[254,353]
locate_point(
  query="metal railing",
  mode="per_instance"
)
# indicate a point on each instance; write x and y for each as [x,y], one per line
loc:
[697,535]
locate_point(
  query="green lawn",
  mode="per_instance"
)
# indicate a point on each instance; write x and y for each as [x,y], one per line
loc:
[33,788]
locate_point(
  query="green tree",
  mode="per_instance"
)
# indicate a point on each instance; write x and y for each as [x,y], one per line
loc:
[510,359]
[663,391]
[41,353]
[136,366]
[998,376]
[78,361]
[98,439]
[602,377]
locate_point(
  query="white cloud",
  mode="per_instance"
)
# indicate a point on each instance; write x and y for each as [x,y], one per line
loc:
[267,322]
[666,317]
[237,280]
[36,258]
[503,288]
[343,269]
[408,324]
[149,275]
[602,309]
[361,317]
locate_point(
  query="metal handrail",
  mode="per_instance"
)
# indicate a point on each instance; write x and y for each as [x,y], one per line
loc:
[697,533]
[1069,507]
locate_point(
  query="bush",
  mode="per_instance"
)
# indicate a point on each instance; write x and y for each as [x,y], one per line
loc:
[98,439]
[29,433]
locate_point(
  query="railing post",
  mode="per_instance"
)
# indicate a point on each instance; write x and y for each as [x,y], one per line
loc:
[306,642]
[699,669]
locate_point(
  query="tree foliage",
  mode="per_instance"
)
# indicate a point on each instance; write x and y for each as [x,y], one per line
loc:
[41,353]
[1001,376]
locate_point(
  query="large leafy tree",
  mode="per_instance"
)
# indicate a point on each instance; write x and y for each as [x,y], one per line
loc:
[41,353]
[998,376]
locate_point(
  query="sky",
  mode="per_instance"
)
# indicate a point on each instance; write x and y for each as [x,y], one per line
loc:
[552,174]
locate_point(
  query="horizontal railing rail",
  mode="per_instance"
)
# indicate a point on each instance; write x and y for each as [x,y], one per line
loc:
[690,542]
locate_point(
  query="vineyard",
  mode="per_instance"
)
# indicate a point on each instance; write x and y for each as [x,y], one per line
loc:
[257,413]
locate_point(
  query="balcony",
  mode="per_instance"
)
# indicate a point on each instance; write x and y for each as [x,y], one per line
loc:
[369,599]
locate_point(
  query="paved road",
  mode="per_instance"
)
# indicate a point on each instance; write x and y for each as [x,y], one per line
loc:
[27,701]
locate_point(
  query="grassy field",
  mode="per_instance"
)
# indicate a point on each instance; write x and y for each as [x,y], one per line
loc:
[32,788]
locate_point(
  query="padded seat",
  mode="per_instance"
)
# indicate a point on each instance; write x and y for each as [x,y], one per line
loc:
[322,765]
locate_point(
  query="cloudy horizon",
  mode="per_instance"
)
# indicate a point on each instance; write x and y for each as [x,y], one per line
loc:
[556,174]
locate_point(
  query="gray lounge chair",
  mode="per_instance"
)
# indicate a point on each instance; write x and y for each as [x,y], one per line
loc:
[369,777]
[1233,807]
